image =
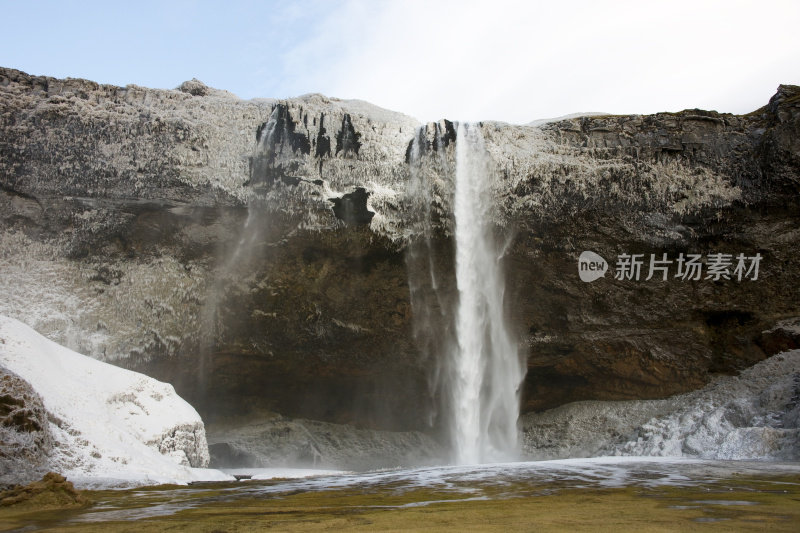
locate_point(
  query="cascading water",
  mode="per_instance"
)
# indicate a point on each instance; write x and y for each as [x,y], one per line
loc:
[431,288]
[479,369]
[237,262]
[486,370]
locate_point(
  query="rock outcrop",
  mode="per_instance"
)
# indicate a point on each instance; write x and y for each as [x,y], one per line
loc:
[51,492]
[281,442]
[25,437]
[257,254]
[755,415]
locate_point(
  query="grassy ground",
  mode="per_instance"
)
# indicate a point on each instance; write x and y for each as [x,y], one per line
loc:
[734,504]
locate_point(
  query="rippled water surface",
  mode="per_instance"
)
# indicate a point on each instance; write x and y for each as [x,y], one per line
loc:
[461,483]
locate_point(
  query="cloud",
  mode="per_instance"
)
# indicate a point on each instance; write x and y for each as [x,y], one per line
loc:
[517,61]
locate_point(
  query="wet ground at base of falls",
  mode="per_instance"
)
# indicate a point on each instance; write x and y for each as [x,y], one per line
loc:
[590,494]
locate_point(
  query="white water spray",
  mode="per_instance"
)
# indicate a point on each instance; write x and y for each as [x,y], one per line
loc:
[485,370]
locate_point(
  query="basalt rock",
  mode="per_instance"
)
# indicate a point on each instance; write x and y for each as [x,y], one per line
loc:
[352,209]
[257,254]
[751,416]
[25,439]
[280,442]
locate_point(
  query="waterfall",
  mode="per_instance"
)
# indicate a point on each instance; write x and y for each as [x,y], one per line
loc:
[428,260]
[237,260]
[486,371]
[476,368]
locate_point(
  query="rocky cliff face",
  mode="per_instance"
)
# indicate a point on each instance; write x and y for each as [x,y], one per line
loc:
[257,254]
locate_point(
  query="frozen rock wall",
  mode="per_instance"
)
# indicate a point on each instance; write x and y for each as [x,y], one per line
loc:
[124,211]
[755,415]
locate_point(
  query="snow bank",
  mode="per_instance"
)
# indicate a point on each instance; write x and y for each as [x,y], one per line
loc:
[110,426]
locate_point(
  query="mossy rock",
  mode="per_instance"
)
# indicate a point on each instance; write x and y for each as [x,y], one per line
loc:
[53,491]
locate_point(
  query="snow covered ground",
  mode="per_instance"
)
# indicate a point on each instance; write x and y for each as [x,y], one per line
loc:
[110,426]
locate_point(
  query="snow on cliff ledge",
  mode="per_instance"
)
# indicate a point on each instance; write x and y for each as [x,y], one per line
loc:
[110,425]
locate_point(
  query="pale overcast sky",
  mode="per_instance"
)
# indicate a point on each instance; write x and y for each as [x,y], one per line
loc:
[514,61]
